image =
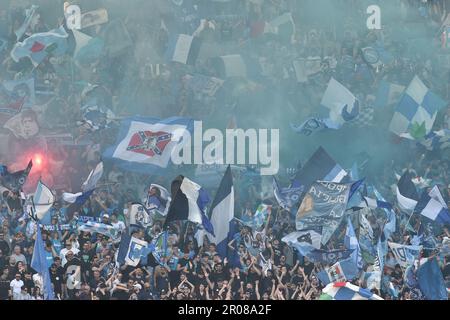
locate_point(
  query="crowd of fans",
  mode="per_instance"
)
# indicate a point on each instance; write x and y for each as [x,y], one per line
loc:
[124,79]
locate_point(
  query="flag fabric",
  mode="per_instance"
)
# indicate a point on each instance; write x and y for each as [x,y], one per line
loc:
[38,46]
[43,200]
[9,110]
[286,197]
[382,249]
[260,216]
[159,243]
[405,255]
[203,85]
[351,242]
[432,205]
[77,198]
[388,94]
[97,117]
[222,213]
[311,237]
[76,201]
[97,227]
[416,112]
[15,181]
[372,57]
[436,140]
[184,49]
[323,205]
[29,15]
[374,204]
[188,203]
[87,49]
[20,92]
[21,129]
[309,126]
[322,256]
[39,263]
[146,144]
[306,67]
[320,167]
[93,178]
[138,215]
[131,250]
[347,291]
[94,18]
[366,237]
[390,224]
[365,226]
[407,196]
[158,203]
[342,104]
[431,281]
[341,271]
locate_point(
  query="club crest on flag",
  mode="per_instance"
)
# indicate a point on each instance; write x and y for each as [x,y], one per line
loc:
[149,143]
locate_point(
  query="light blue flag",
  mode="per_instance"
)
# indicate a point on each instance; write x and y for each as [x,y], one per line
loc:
[431,281]
[39,263]
[38,46]
[389,227]
[351,242]
[354,172]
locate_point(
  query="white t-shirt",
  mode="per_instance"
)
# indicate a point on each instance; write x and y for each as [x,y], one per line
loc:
[119,225]
[16,287]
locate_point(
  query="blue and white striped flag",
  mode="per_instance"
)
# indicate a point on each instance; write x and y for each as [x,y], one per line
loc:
[374,204]
[222,213]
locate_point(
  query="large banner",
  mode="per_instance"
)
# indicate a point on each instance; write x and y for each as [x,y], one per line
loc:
[405,255]
[324,205]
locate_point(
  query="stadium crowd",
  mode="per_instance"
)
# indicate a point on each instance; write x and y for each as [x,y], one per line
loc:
[130,76]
